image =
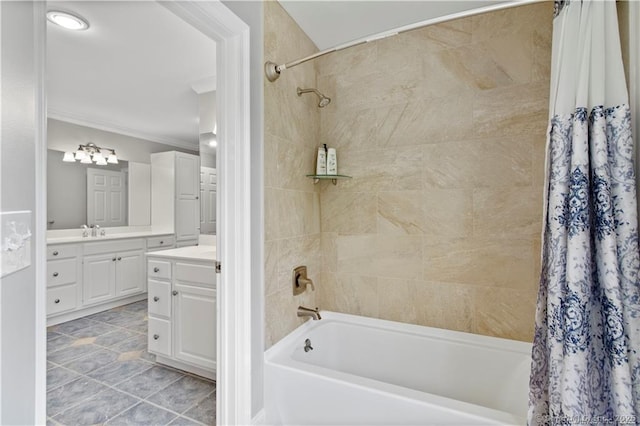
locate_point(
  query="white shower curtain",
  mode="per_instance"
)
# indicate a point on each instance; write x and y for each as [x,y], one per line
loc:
[586,353]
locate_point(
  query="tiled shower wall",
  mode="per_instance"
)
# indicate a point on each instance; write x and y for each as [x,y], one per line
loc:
[443,130]
[292,202]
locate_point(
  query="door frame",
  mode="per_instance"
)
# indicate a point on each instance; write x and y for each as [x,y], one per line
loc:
[234,350]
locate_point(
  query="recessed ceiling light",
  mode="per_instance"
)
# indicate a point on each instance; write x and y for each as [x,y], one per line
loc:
[67,20]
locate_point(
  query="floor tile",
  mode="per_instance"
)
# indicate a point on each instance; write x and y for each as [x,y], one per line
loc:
[124,318]
[97,409]
[59,376]
[143,414]
[135,343]
[182,394]
[149,357]
[114,338]
[119,371]
[106,316]
[95,330]
[60,342]
[66,396]
[52,335]
[93,361]
[140,306]
[150,381]
[204,411]
[71,326]
[141,326]
[70,353]
[183,421]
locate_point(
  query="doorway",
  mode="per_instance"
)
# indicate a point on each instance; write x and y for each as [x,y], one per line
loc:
[234,316]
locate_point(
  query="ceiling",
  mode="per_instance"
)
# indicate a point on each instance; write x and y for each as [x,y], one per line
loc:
[331,23]
[131,72]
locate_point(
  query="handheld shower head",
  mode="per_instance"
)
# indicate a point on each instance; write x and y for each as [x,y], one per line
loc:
[324,100]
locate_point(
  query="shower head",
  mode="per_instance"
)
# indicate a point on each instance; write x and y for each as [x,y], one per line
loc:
[324,100]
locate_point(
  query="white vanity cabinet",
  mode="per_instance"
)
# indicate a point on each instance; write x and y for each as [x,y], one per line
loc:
[175,195]
[182,312]
[113,269]
[97,274]
[63,278]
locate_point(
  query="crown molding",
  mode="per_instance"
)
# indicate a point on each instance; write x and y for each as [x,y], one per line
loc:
[115,128]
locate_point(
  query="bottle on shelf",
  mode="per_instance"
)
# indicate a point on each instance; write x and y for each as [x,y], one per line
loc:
[332,162]
[321,161]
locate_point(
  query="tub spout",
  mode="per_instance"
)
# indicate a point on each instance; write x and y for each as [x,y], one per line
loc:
[308,312]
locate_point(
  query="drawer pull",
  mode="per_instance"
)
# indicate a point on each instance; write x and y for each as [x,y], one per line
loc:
[156,337]
[156,298]
[55,274]
[55,253]
[156,269]
[119,258]
[161,242]
[175,292]
[56,301]
[114,259]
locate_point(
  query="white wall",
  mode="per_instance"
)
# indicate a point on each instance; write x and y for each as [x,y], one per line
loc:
[18,148]
[252,13]
[63,136]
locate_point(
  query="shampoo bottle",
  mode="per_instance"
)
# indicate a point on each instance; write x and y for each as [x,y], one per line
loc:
[321,162]
[332,162]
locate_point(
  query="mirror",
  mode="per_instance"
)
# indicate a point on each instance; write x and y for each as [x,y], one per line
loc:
[67,205]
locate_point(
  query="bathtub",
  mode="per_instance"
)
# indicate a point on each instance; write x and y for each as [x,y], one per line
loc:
[365,371]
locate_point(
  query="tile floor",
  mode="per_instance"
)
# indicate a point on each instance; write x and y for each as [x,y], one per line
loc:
[99,372]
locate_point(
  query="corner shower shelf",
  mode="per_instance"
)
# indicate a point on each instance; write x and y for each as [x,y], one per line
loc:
[334,178]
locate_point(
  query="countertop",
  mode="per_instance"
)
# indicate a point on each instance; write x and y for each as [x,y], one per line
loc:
[109,236]
[207,253]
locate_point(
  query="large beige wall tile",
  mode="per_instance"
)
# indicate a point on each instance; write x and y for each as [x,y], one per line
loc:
[357,60]
[382,169]
[447,213]
[446,35]
[401,212]
[354,130]
[500,263]
[329,251]
[426,121]
[507,212]
[505,312]
[513,110]
[270,267]
[294,161]
[446,305]
[349,212]
[393,295]
[356,294]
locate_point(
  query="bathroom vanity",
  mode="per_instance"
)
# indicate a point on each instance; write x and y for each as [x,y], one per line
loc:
[182,308]
[86,275]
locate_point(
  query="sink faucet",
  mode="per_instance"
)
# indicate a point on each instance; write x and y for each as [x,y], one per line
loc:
[85,231]
[94,230]
[308,312]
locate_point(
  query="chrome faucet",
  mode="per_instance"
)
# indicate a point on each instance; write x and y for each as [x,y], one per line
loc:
[85,231]
[308,312]
[94,230]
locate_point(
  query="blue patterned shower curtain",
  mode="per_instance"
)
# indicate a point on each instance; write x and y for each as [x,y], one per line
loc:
[586,351]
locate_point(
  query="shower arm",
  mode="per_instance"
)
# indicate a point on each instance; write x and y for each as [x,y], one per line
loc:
[273,70]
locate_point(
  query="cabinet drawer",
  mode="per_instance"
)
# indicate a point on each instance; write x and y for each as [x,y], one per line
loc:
[159,269]
[61,251]
[61,299]
[201,274]
[114,246]
[159,298]
[160,242]
[159,339]
[61,272]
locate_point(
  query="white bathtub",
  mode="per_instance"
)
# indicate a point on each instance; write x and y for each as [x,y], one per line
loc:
[365,371]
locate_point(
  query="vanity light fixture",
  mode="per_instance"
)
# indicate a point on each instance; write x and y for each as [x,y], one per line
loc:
[67,20]
[89,153]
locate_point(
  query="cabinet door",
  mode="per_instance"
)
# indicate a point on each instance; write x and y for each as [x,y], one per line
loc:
[187,176]
[98,278]
[130,273]
[194,322]
[187,219]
